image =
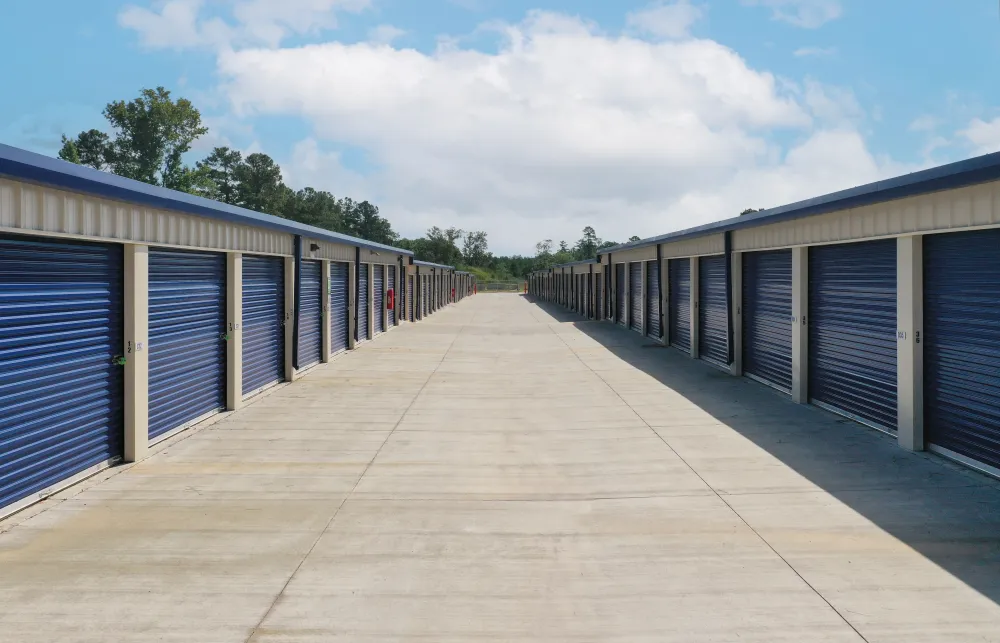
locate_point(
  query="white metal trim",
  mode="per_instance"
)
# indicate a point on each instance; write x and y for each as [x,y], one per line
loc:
[62,485]
[976,465]
[852,417]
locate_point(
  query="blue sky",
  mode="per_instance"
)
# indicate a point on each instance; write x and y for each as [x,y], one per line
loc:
[634,117]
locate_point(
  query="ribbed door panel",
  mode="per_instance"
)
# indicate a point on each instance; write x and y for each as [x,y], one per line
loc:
[599,296]
[423,296]
[378,298]
[852,329]
[635,296]
[61,398]
[713,311]
[263,322]
[310,313]
[962,343]
[187,322]
[362,330]
[390,281]
[767,317]
[409,297]
[652,300]
[620,300]
[340,310]
[680,303]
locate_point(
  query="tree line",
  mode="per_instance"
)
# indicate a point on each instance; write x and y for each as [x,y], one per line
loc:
[151,137]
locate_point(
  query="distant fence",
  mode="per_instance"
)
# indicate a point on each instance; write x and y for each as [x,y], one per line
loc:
[501,286]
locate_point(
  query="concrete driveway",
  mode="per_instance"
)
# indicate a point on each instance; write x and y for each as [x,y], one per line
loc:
[505,471]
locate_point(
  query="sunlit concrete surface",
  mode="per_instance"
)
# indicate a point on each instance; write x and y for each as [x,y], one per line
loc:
[505,471]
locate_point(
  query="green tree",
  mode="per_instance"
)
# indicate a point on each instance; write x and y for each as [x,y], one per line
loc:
[91,148]
[258,184]
[475,249]
[69,151]
[750,211]
[633,239]
[363,220]
[586,247]
[152,134]
[221,169]
[313,207]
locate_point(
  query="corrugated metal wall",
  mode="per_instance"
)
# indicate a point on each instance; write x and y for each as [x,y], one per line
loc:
[24,206]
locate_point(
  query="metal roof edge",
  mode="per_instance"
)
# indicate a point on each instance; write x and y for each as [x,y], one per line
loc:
[21,164]
[582,262]
[428,264]
[980,169]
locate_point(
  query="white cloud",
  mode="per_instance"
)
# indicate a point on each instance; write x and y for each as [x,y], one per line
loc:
[923,123]
[818,52]
[831,104]
[665,20]
[181,24]
[808,14]
[385,34]
[984,136]
[563,126]
[310,166]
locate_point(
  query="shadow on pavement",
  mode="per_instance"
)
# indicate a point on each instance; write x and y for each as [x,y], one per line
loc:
[946,512]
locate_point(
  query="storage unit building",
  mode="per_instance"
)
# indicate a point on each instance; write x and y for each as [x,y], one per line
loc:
[880,303]
[129,312]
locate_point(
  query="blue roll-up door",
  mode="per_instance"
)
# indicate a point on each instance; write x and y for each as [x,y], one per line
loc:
[852,330]
[652,300]
[310,313]
[390,284]
[423,296]
[599,296]
[713,311]
[263,322]
[187,348]
[61,397]
[620,313]
[635,296]
[378,298]
[767,317]
[409,298]
[680,303]
[962,345]
[362,334]
[340,310]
